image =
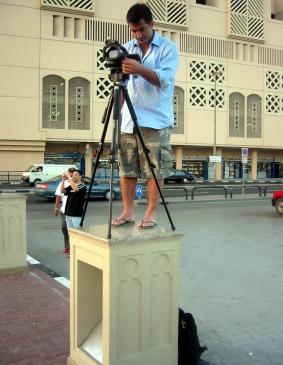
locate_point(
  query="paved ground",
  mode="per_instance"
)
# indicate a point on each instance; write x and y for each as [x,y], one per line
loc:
[231,272]
[34,320]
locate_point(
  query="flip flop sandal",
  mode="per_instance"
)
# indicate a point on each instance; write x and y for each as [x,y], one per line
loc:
[122,222]
[149,224]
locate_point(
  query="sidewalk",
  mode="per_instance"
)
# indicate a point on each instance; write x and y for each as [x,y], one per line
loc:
[34,320]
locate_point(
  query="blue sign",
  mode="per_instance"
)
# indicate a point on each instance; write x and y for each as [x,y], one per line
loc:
[139,191]
[245,152]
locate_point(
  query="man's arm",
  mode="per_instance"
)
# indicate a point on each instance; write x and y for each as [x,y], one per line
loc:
[133,67]
[64,177]
[57,205]
[57,199]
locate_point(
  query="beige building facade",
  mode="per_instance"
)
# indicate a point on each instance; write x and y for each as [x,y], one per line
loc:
[55,86]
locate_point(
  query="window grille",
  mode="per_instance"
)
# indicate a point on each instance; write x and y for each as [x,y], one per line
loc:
[254,116]
[53,102]
[169,12]
[100,63]
[100,31]
[79,104]
[197,96]
[103,88]
[247,19]
[217,68]
[273,103]
[175,110]
[178,110]
[85,6]
[198,70]
[203,97]
[236,115]
[273,80]
[220,98]
[270,56]
[274,91]
[203,71]
[206,46]
[254,112]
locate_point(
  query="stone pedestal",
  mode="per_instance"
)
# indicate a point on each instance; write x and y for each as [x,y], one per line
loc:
[124,296]
[13,241]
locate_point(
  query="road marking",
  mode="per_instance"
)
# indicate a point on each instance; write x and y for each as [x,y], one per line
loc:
[32,261]
[60,279]
[63,281]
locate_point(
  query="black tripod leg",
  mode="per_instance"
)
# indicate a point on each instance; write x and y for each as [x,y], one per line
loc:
[99,150]
[116,116]
[146,152]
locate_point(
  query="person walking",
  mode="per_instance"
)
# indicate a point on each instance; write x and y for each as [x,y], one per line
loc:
[59,209]
[150,88]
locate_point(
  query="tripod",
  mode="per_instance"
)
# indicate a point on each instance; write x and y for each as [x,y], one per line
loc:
[118,88]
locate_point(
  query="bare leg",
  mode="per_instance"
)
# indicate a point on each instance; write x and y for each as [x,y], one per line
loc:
[153,199]
[128,188]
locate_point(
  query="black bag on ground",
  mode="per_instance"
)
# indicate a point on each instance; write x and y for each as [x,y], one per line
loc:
[189,349]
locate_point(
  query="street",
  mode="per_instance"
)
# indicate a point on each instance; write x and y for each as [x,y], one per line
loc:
[231,270]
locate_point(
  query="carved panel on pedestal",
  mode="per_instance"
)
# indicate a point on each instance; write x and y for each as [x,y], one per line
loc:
[161,301]
[129,311]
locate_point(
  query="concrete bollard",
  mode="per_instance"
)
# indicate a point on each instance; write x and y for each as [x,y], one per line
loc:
[13,237]
[124,296]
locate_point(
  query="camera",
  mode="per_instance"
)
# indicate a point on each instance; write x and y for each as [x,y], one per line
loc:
[114,53]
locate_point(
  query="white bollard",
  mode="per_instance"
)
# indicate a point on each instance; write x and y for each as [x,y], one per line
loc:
[13,237]
[124,296]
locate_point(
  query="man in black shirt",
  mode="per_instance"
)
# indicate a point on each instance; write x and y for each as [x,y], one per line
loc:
[75,202]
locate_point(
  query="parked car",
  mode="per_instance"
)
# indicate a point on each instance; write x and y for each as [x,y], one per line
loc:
[277,201]
[180,176]
[101,190]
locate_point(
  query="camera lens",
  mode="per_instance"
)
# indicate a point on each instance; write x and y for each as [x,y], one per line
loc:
[113,54]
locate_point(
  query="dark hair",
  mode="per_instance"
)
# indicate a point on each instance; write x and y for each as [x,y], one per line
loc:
[138,12]
[79,172]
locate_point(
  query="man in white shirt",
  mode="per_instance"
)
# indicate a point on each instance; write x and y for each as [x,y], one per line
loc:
[62,198]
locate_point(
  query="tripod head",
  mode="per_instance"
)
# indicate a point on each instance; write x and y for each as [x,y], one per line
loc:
[114,53]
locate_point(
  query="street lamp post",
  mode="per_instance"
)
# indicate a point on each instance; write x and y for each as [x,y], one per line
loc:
[215,74]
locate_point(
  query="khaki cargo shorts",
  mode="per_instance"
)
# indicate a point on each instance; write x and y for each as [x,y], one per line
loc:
[132,159]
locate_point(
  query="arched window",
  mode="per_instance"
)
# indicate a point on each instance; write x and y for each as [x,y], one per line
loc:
[79,103]
[178,110]
[254,116]
[53,102]
[236,115]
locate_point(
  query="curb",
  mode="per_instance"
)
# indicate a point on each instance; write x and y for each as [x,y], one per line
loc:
[60,279]
[16,191]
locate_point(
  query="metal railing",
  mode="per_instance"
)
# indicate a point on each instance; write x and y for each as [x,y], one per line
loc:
[209,187]
[8,177]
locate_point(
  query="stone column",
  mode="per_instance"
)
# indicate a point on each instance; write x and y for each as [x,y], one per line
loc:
[13,237]
[254,164]
[124,296]
[88,159]
[218,166]
[179,158]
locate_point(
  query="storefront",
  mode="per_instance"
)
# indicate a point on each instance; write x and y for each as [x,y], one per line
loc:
[68,158]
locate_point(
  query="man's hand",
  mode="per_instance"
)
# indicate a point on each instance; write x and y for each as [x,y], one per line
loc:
[56,211]
[65,176]
[131,67]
